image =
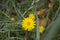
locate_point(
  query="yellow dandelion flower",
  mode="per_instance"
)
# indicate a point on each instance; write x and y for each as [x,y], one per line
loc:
[32,16]
[12,19]
[28,24]
[41,29]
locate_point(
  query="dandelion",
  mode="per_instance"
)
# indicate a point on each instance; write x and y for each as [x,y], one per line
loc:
[41,29]
[32,16]
[28,24]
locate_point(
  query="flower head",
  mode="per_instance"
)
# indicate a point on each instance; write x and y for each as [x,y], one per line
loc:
[32,16]
[28,24]
[12,19]
[41,29]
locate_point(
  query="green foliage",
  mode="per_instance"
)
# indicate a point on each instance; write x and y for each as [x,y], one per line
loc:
[19,9]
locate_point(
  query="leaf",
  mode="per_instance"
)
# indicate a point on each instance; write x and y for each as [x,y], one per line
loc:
[53,30]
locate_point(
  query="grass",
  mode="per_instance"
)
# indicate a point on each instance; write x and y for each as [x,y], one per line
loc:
[19,9]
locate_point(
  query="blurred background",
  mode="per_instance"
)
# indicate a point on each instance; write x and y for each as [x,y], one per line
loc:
[12,13]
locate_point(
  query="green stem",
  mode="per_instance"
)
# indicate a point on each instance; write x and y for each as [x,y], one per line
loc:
[8,35]
[37,25]
[56,14]
[26,36]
